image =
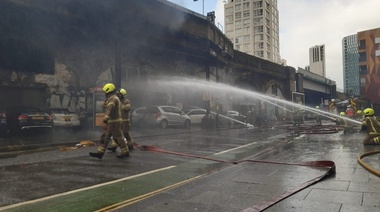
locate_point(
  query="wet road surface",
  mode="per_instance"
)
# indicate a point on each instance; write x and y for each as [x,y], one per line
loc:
[220,178]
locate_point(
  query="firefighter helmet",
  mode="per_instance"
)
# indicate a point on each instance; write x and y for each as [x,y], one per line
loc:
[369,112]
[317,107]
[359,112]
[108,88]
[342,113]
[123,92]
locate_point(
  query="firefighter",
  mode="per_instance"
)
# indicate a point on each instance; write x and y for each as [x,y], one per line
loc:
[372,125]
[112,120]
[298,117]
[125,108]
[348,127]
[359,115]
[318,117]
[350,112]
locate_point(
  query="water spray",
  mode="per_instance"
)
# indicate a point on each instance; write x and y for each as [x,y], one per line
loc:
[176,83]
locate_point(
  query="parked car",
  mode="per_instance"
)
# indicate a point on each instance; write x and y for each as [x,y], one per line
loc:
[196,115]
[21,118]
[64,118]
[4,130]
[138,117]
[164,116]
[236,115]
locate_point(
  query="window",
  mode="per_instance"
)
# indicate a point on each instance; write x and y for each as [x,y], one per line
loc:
[377,40]
[362,44]
[257,29]
[246,30]
[362,82]
[258,12]
[377,53]
[229,18]
[259,53]
[362,57]
[238,7]
[238,31]
[259,45]
[246,22]
[245,5]
[238,24]
[246,14]
[238,15]
[257,4]
[259,37]
[229,10]
[257,21]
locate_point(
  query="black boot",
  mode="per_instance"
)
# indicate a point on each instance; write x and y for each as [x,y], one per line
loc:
[96,155]
[130,147]
[112,148]
[125,155]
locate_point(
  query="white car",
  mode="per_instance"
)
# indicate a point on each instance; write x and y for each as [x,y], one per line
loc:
[196,115]
[164,116]
[138,117]
[236,115]
[64,118]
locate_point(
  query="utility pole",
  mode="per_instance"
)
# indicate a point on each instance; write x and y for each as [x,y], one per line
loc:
[203,6]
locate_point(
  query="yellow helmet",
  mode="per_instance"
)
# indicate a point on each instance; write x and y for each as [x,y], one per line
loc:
[342,113]
[369,112]
[108,88]
[359,112]
[123,92]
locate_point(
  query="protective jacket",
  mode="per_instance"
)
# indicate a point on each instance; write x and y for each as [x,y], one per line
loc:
[372,126]
[112,109]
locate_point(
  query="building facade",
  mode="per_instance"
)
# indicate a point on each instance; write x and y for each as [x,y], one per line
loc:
[350,58]
[317,60]
[253,27]
[369,64]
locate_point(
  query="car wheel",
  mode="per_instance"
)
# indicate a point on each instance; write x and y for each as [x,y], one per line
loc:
[164,124]
[187,124]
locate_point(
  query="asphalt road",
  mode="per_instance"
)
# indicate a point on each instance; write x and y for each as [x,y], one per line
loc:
[188,170]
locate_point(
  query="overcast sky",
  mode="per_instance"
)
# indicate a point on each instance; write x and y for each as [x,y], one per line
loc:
[306,23]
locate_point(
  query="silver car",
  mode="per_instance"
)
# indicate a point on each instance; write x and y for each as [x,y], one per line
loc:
[164,116]
[196,115]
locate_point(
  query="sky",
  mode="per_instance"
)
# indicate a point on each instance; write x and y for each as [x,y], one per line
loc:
[306,23]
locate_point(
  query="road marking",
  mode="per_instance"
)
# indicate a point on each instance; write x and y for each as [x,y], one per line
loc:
[145,196]
[83,189]
[229,150]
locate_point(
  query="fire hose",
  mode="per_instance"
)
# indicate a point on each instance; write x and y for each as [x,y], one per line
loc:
[328,165]
[366,166]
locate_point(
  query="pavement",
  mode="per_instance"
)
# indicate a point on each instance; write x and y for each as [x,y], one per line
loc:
[270,176]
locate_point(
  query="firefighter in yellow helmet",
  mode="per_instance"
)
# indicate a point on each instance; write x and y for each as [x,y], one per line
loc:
[372,125]
[359,115]
[348,127]
[318,117]
[125,108]
[112,120]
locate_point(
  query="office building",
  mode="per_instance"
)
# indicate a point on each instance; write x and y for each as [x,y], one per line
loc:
[317,60]
[253,27]
[350,58]
[369,64]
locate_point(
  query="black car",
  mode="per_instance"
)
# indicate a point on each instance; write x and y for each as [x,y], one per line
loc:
[24,118]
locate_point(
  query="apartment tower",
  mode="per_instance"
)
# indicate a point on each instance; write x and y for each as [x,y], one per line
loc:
[350,65]
[317,60]
[369,64]
[253,27]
